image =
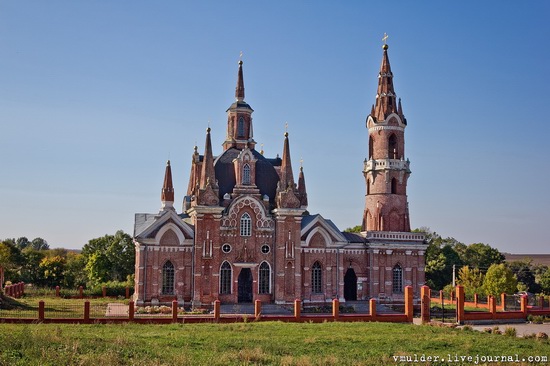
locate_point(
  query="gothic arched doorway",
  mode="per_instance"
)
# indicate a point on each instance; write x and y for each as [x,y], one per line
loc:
[350,285]
[245,285]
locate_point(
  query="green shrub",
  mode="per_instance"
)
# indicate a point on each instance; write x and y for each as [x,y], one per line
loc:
[537,319]
[510,332]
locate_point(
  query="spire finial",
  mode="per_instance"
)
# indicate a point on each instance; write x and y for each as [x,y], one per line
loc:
[262,149]
[241,58]
[301,164]
[385,46]
[286,129]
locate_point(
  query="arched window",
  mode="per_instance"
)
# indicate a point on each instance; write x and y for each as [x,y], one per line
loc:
[371,147]
[368,186]
[392,147]
[168,275]
[316,278]
[394,186]
[225,278]
[246,225]
[397,279]
[246,174]
[240,127]
[264,278]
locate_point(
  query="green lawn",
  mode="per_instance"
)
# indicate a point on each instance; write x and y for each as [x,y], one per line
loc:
[263,343]
[56,307]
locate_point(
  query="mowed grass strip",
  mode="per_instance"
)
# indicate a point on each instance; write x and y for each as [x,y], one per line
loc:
[262,343]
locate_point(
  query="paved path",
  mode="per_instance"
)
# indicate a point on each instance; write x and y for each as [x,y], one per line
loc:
[521,328]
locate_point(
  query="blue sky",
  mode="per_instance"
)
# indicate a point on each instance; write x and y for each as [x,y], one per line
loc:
[95,96]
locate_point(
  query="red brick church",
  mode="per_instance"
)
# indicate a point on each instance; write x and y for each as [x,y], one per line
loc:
[244,232]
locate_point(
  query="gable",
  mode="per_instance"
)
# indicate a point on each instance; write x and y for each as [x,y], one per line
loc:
[318,232]
[165,229]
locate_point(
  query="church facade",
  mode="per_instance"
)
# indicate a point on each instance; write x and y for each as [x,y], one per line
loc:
[244,232]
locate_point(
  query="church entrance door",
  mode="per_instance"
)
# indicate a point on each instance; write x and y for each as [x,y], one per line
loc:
[245,285]
[350,285]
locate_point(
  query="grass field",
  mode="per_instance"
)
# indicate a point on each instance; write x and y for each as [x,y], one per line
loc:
[264,343]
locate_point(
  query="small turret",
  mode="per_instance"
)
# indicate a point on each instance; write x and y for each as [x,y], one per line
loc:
[302,193]
[208,174]
[167,193]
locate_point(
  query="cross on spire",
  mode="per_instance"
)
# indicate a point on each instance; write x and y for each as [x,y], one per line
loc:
[385,38]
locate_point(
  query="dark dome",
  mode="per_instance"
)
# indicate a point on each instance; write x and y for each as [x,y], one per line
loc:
[266,175]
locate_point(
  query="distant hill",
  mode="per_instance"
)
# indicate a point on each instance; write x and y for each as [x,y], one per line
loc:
[536,258]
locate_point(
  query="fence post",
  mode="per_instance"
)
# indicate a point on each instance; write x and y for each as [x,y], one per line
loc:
[492,306]
[541,302]
[335,309]
[503,301]
[425,304]
[257,309]
[174,311]
[127,292]
[452,295]
[441,295]
[104,291]
[41,310]
[409,309]
[57,293]
[297,309]
[131,310]
[372,308]
[86,311]
[81,292]
[217,311]
[460,304]
[22,288]
[523,306]
[476,299]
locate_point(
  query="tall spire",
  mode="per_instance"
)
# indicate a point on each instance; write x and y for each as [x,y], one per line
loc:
[287,178]
[239,90]
[385,95]
[208,175]
[167,193]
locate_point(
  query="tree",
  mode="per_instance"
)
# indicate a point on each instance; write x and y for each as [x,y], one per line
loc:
[471,279]
[75,274]
[355,229]
[109,258]
[480,255]
[499,279]
[10,260]
[22,242]
[30,270]
[39,244]
[52,269]
[545,282]
[440,258]
[524,271]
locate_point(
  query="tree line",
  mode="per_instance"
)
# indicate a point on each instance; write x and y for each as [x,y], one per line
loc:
[479,267]
[108,259]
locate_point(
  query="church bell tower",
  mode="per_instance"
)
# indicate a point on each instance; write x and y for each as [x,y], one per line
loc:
[386,169]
